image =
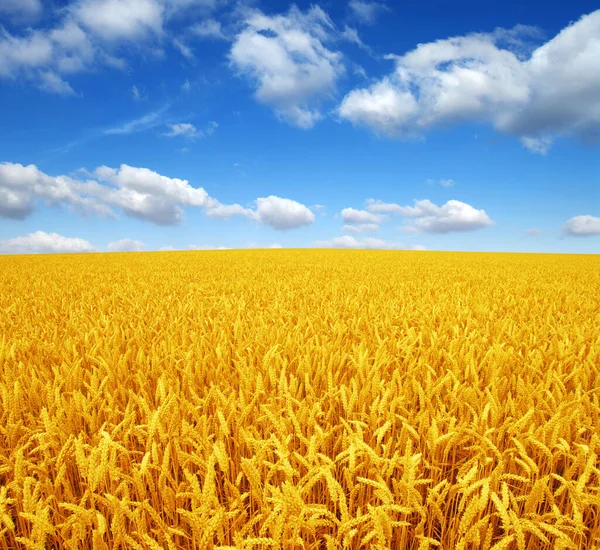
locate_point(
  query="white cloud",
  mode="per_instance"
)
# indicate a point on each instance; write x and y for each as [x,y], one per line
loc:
[207,247]
[120,19]
[44,243]
[209,28]
[184,49]
[282,214]
[189,131]
[286,57]
[145,194]
[353,216]
[452,216]
[447,182]
[382,207]
[539,145]
[126,245]
[383,107]
[141,124]
[186,87]
[51,82]
[537,95]
[366,12]
[350,34]
[347,241]
[533,233]
[182,129]
[582,226]
[138,192]
[224,211]
[360,228]
[136,94]
[21,186]
[86,34]
[275,245]
[273,211]
[20,11]
[168,248]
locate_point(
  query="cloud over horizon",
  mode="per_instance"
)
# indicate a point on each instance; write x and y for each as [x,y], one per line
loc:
[552,91]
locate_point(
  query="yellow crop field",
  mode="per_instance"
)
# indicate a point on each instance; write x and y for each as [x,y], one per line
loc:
[292,399]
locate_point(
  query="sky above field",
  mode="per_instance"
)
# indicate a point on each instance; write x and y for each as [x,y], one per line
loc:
[184,124]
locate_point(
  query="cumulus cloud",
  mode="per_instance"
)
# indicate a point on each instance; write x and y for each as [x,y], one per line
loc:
[148,195]
[582,226]
[276,212]
[348,241]
[286,57]
[282,214]
[536,94]
[354,216]
[366,12]
[137,192]
[126,245]
[22,186]
[450,217]
[44,243]
[120,19]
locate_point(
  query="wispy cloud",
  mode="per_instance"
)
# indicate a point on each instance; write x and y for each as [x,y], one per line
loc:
[141,124]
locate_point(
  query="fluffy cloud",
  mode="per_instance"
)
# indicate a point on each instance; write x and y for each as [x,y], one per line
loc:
[360,228]
[145,194]
[582,226]
[282,214]
[22,186]
[535,94]
[44,243]
[87,33]
[366,12]
[120,19]
[126,245]
[452,216]
[273,211]
[347,241]
[353,216]
[286,57]
[138,192]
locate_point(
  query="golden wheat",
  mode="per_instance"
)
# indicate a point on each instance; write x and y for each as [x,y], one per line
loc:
[300,399]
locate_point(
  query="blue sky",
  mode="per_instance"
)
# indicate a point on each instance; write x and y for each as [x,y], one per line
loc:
[159,124]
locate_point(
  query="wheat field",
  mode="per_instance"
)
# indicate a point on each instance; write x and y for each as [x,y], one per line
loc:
[294,399]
